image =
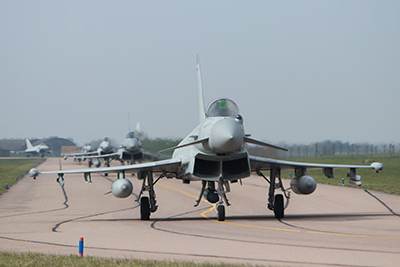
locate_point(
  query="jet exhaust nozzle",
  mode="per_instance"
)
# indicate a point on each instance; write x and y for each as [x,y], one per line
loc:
[122,188]
[303,185]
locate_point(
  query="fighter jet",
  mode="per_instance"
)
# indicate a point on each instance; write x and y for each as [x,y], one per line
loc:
[130,151]
[38,150]
[87,148]
[215,153]
[104,148]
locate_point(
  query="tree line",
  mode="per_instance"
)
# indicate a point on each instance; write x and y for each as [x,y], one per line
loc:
[331,148]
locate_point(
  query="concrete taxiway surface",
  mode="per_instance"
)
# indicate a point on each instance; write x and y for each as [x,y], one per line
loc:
[333,226]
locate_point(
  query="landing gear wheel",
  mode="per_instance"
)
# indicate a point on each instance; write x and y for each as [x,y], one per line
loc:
[221,213]
[144,209]
[278,207]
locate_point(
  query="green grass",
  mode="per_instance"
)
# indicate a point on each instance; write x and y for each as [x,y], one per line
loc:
[10,169]
[385,181]
[38,260]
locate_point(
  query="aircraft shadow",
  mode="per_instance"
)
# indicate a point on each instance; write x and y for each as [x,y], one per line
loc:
[295,217]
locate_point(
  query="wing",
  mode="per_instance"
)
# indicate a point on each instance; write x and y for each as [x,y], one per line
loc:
[259,163]
[163,166]
[81,154]
[111,155]
[149,156]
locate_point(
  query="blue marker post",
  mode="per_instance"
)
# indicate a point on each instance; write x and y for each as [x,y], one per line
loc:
[290,176]
[342,181]
[6,187]
[16,180]
[81,247]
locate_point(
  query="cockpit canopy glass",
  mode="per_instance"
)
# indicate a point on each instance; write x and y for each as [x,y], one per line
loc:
[130,135]
[222,107]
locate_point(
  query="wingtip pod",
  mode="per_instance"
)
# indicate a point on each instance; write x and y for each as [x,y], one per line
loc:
[33,173]
[377,166]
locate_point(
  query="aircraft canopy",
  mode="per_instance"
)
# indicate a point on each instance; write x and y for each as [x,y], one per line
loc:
[130,135]
[222,107]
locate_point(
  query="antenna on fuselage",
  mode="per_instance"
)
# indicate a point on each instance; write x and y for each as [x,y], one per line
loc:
[202,111]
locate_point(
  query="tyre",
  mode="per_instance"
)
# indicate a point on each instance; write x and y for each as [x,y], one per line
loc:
[144,209]
[221,213]
[278,207]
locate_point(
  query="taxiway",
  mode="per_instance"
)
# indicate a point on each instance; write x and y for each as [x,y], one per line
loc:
[335,226]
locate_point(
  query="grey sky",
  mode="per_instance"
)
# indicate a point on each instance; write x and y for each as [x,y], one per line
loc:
[300,71]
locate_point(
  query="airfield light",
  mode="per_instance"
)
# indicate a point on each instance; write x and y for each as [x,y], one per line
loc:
[81,247]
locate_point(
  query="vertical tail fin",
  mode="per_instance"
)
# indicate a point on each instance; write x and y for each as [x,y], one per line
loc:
[28,144]
[202,111]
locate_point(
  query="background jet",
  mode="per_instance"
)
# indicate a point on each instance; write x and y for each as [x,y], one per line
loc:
[38,150]
[130,151]
[87,148]
[104,148]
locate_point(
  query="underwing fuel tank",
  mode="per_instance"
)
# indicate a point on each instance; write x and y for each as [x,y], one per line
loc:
[303,185]
[121,188]
[97,163]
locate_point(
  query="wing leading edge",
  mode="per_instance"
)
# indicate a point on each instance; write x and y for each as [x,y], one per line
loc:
[167,166]
[259,163]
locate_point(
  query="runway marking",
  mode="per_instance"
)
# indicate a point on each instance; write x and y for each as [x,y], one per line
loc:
[203,214]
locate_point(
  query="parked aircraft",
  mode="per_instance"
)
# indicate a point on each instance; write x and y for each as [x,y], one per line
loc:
[215,153]
[38,150]
[130,151]
[104,148]
[85,149]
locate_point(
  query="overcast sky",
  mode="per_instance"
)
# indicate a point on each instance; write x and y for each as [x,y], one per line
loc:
[300,71]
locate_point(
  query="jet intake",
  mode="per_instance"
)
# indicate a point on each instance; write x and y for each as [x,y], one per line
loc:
[303,185]
[121,188]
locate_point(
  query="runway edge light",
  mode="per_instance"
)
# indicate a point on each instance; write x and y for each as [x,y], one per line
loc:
[81,247]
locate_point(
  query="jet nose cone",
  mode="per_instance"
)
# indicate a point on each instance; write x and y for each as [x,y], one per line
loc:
[132,145]
[227,135]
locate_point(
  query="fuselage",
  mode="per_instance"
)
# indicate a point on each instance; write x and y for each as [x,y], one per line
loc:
[222,154]
[105,147]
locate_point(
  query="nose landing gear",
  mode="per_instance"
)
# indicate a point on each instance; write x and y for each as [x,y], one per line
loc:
[215,196]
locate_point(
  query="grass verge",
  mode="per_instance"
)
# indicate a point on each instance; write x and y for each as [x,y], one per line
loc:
[11,169]
[39,260]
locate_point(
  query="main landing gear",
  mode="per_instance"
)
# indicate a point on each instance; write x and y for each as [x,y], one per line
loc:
[148,204]
[217,196]
[276,202]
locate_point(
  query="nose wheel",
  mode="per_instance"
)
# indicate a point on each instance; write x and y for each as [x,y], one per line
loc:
[221,213]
